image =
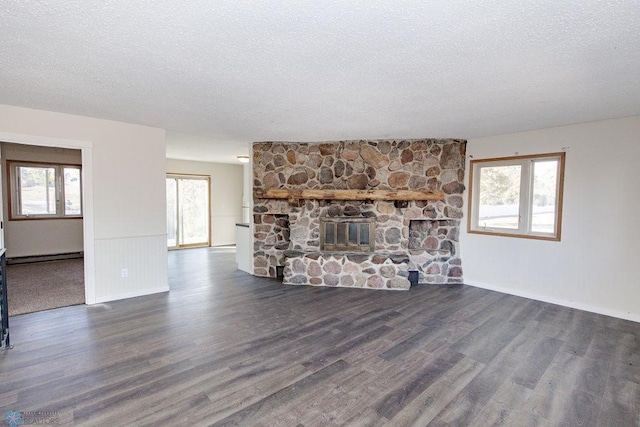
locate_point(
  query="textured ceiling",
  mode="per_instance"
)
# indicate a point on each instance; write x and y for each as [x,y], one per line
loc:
[236,71]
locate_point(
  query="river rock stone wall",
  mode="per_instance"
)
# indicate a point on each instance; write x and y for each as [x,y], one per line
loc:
[425,234]
[372,271]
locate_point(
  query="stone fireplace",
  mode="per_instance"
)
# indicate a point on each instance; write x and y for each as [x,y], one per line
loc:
[359,213]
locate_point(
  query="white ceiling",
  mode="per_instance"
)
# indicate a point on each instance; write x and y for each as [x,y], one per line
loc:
[237,71]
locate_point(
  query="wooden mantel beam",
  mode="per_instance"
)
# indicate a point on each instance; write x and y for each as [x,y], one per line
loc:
[294,195]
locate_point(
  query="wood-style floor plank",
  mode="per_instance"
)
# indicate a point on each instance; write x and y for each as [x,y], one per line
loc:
[226,348]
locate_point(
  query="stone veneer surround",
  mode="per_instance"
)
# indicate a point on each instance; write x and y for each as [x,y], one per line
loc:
[409,235]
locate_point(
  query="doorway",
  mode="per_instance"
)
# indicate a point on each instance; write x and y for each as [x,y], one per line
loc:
[43,226]
[188,201]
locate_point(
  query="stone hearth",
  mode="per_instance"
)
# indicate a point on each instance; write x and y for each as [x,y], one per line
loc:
[409,235]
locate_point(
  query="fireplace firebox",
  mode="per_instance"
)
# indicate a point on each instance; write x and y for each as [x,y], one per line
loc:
[347,234]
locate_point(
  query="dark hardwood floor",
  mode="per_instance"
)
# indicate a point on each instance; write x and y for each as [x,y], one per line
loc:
[226,348]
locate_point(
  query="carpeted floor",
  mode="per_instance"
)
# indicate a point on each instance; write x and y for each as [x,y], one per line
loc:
[44,285]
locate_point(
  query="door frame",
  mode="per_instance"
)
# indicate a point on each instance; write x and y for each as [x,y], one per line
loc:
[88,225]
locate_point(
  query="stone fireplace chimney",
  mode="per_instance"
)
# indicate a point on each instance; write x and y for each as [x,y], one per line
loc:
[313,217]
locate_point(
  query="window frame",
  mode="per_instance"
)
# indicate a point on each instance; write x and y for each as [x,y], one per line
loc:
[14,187]
[525,199]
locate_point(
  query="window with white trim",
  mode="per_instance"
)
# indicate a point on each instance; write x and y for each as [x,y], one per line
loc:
[44,190]
[517,196]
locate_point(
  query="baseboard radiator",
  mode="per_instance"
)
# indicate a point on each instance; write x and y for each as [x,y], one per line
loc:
[42,258]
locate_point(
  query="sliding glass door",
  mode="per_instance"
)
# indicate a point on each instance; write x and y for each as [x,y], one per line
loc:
[187,211]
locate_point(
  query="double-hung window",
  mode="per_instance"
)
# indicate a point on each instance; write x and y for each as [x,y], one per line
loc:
[517,196]
[44,190]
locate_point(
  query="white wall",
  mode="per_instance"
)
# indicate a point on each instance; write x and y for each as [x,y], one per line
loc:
[40,237]
[226,195]
[123,195]
[595,267]
[247,193]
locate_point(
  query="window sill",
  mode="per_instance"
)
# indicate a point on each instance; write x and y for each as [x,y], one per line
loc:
[521,236]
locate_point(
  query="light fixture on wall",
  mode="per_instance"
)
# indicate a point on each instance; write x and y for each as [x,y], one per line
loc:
[243,159]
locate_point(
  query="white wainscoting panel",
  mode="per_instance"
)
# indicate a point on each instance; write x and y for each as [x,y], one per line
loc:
[143,258]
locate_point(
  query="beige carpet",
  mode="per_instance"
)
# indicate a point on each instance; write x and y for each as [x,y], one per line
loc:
[44,285]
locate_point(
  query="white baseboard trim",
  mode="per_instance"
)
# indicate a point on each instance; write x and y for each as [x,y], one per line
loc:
[566,303]
[131,295]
